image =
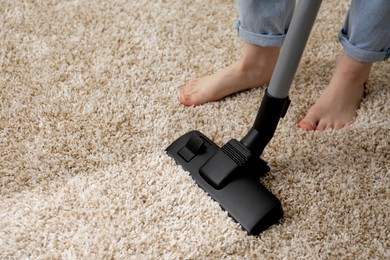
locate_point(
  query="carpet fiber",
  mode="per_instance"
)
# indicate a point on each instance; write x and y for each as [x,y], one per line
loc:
[88,93]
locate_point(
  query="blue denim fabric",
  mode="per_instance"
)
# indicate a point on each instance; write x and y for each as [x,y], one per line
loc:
[366,32]
[365,35]
[264,22]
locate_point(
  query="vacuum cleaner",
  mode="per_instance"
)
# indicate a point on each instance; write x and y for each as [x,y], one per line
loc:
[230,174]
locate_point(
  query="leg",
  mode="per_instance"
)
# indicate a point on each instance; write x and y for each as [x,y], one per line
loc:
[262,26]
[366,39]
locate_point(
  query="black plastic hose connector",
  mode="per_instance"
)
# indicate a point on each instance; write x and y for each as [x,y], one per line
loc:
[267,119]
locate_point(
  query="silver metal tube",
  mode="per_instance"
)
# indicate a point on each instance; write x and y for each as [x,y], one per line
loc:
[293,47]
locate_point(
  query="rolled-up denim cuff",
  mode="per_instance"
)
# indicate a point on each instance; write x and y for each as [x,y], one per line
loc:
[265,40]
[362,55]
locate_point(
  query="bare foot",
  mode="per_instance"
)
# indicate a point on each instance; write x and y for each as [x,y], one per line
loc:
[254,69]
[337,106]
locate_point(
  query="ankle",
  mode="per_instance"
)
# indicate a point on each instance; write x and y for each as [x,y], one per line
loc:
[258,57]
[352,70]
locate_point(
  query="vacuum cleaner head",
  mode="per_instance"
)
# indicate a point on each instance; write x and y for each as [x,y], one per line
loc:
[230,175]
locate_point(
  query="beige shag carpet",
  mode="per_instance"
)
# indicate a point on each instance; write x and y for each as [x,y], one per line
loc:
[88,93]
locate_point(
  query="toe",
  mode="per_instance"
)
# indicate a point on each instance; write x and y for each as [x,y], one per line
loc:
[184,98]
[306,125]
[339,126]
[322,126]
[189,99]
[309,122]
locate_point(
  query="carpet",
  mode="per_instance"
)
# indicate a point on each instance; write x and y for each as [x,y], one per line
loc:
[88,93]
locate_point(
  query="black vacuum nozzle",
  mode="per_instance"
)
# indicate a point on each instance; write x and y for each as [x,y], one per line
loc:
[230,176]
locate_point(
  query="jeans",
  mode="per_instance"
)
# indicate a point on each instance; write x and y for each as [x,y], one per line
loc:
[365,35]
